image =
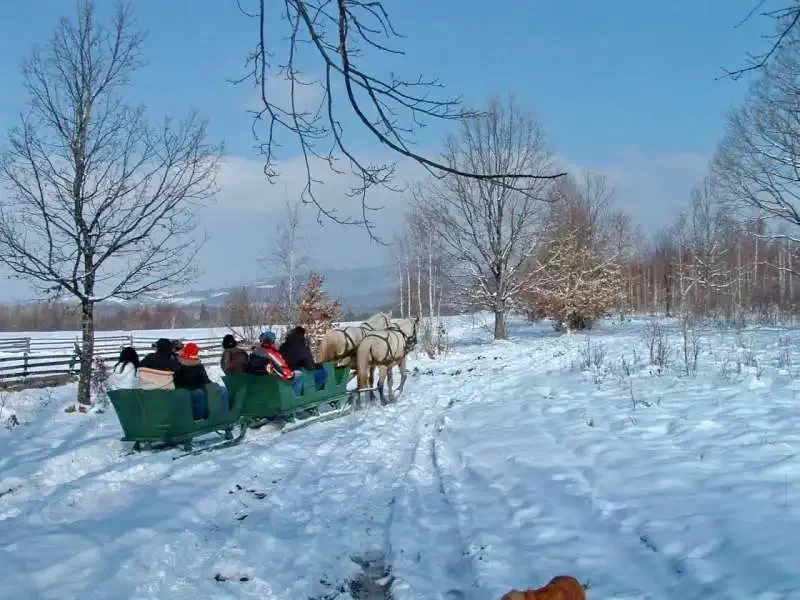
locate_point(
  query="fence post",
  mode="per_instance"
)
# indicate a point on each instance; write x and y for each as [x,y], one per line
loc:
[28,345]
[25,365]
[130,336]
[75,354]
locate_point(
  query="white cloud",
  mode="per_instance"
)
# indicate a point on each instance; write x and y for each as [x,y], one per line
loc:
[308,92]
[242,222]
[652,188]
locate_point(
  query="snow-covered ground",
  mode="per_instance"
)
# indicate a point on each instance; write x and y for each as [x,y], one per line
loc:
[502,465]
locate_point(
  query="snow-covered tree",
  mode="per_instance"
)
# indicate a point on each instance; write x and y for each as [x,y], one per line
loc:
[581,275]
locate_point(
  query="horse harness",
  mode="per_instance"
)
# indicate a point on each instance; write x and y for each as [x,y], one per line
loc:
[364,327]
[352,342]
[408,343]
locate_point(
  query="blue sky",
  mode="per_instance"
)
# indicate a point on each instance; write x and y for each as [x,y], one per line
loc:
[627,88]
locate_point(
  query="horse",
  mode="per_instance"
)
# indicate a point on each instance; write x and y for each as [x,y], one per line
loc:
[386,348]
[340,344]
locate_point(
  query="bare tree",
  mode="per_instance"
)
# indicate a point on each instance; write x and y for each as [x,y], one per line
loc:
[709,273]
[337,38]
[287,259]
[100,201]
[246,316]
[489,228]
[757,164]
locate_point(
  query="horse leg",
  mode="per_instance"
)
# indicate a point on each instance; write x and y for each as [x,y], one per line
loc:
[403,374]
[381,380]
[390,382]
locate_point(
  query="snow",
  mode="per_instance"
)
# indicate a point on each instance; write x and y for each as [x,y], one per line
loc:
[502,465]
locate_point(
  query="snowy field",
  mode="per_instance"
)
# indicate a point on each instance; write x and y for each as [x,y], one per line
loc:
[502,465]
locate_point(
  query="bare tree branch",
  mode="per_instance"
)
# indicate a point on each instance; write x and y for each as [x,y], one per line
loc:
[786,19]
[332,35]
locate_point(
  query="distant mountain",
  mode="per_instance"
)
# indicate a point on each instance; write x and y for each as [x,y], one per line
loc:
[368,288]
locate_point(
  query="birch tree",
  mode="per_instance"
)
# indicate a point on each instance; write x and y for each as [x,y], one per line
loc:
[431,262]
[489,227]
[287,259]
[100,202]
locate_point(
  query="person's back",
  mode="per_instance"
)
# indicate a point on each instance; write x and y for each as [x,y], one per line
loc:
[157,369]
[268,359]
[234,359]
[192,374]
[125,374]
[163,359]
[296,352]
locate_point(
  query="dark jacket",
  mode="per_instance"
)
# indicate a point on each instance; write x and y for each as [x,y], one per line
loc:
[191,376]
[234,360]
[297,353]
[161,360]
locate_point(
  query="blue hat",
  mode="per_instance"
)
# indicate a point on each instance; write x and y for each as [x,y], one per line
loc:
[267,338]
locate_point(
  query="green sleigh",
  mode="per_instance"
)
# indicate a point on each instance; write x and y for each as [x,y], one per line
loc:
[154,419]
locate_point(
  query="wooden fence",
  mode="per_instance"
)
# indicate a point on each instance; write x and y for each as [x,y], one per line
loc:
[45,358]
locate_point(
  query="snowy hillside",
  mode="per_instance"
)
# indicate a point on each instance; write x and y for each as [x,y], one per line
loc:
[502,465]
[365,288]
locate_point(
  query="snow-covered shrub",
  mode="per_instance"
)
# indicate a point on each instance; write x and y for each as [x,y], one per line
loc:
[100,379]
[592,358]
[691,344]
[576,268]
[657,340]
[433,337]
[784,352]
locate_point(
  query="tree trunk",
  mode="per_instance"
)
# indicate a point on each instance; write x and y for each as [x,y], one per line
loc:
[430,279]
[500,332]
[791,280]
[419,288]
[408,283]
[668,289]
[87,352]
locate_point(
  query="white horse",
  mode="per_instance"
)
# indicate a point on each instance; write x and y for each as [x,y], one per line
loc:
[385,349]
[340,344]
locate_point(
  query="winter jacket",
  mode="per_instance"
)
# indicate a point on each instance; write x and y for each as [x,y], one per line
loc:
[192,375]
[123,377]
[297,353]
[267,359]
[234,360]
[161,361]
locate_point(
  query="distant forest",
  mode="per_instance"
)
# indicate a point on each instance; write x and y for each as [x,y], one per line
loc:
[61,316]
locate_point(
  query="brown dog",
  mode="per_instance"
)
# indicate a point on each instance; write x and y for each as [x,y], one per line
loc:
[558,588]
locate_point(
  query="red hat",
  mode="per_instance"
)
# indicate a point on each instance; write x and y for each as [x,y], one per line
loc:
[190,351]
